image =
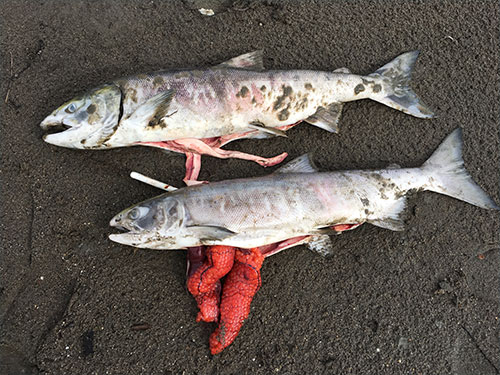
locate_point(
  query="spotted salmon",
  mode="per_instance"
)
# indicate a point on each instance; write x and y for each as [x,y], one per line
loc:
[196,112]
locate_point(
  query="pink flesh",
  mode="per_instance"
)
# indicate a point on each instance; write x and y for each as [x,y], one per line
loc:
[194,148]
[193,166]
[274,248]
[343,227]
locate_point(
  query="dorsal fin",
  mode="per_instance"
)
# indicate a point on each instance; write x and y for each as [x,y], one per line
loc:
[393,166]
[342,70]
[302,164]
[251,61]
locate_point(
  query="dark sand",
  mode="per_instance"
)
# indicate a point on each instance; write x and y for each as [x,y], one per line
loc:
[422,301]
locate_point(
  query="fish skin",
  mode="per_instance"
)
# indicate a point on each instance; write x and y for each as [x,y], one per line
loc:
[274,208]
[224,100]
[266,210]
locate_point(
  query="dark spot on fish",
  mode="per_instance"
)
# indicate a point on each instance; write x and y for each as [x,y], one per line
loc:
[243,92]
[365,81]
[287,90]
[308,86]
[132,94]
[376,88]
[367,211]
[142,76]
[301,104]
[197,73]
[263,88]
[158,81]
[253,100]
[83,141]
[91,109]
[359,88]
[284,114]
[382,194]
[376,176]
[365,201]
[181,75]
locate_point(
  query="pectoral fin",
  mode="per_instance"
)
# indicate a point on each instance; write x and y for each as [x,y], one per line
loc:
[327,118]
[210,233]
[154,109]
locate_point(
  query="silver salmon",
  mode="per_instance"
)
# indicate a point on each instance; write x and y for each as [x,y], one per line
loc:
[294,205]
[196,112]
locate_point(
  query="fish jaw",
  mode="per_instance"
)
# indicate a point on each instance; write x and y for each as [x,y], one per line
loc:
[150,240]
[69,138]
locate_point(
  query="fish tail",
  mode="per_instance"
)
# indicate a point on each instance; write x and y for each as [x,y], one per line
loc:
[447,174]
[393,89]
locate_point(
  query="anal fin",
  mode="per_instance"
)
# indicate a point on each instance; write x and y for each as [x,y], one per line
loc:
[327,118]
[321,244]
[391,218]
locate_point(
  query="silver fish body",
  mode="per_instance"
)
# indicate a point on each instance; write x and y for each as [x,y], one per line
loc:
[292,202]
[231,98]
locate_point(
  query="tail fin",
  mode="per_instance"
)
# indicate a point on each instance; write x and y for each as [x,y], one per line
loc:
[448,174]
[395,91]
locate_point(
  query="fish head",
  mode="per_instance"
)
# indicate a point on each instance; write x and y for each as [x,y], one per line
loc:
[156,223]
[86,121]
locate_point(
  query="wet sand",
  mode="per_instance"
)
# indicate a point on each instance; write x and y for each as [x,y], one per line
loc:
[422,301]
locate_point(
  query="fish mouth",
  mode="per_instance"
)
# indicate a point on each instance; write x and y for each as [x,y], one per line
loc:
[62,133]
[56,128]
[129,236]
[54,125]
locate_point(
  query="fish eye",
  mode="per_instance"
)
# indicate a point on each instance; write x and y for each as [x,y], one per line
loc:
[134,214]
[71,108]
[137,213]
